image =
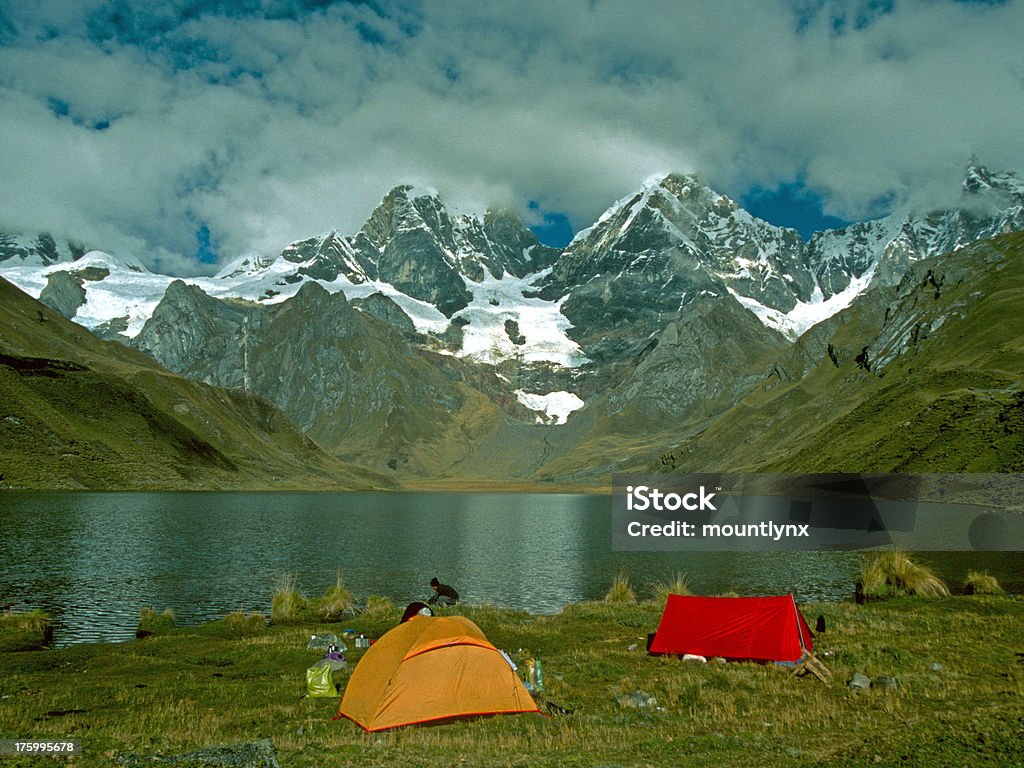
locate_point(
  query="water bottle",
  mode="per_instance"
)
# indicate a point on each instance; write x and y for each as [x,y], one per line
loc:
[538,671]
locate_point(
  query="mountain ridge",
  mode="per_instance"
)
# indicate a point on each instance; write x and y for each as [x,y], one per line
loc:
[674,230]
[434,346]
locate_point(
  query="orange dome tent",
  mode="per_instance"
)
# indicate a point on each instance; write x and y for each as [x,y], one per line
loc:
[432,668]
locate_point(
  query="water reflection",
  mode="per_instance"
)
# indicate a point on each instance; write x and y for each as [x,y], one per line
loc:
[94,559]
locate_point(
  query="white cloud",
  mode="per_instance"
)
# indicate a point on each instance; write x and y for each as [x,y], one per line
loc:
[272,126]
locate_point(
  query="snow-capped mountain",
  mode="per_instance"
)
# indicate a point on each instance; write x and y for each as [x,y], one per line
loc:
[647,256]
[990,204]
[675,240]
[653,253]
[429,340]
[37,251]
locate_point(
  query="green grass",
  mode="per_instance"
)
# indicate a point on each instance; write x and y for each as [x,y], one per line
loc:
[958,699]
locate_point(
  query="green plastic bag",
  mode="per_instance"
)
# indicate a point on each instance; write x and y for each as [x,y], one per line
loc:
[319,681]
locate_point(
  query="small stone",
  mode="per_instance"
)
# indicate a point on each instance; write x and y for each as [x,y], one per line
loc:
[859,682]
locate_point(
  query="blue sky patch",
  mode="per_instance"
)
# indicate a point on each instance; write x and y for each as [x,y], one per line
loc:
[555,229]
[791,205]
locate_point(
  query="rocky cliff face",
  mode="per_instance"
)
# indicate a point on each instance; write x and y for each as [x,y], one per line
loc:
[708,356]
[347,379]
[63,294]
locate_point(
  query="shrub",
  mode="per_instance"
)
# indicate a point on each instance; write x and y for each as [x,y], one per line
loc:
[621,592]
[153,623]
[678,584]
[379,604]
[887,574]
[982,583]
[25,631]
[337,600]
[287,603]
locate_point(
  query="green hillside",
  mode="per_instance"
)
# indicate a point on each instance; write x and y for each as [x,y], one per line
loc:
[79,412]
[927,376]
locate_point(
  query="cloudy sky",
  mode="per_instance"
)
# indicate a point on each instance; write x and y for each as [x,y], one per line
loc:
[207,129]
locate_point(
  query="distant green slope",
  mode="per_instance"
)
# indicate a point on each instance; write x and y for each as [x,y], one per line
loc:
[924,377]
[79,412]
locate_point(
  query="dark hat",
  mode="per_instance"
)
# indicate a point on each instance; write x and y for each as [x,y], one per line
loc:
[434,582]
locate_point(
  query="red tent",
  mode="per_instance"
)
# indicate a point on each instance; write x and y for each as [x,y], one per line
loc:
[747,628]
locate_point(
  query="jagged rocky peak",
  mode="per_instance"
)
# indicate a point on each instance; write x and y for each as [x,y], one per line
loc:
[325,257]
[991,203]
[662,248]
[63,294]
[497,242]
[42,249]
[675,226]
[413,242]
[980,179]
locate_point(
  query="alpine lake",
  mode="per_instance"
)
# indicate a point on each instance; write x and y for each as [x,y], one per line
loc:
[94,560]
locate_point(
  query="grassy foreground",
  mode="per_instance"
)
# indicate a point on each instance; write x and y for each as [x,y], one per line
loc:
[958,700]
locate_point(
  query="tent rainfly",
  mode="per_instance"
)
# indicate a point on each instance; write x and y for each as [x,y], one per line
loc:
[735,628]
[432,668]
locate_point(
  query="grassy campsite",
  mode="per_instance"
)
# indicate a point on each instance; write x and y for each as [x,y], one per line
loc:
[946,672]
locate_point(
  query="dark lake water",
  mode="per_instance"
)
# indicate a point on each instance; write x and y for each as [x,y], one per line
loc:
[93,560]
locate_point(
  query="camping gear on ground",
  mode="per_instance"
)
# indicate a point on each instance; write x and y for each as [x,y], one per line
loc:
[738,629]
[534,676]
[333,661]
[319,682]
[556,710]
[362,641]
[324,643]
[431,668]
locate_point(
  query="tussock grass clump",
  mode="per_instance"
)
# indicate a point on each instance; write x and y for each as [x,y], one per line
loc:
[246,622]
[153,623]
[982,583]
[25,631]
[678,584]
[378,604]
[288,603]
[892,573]
[336,601]
[621,592]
